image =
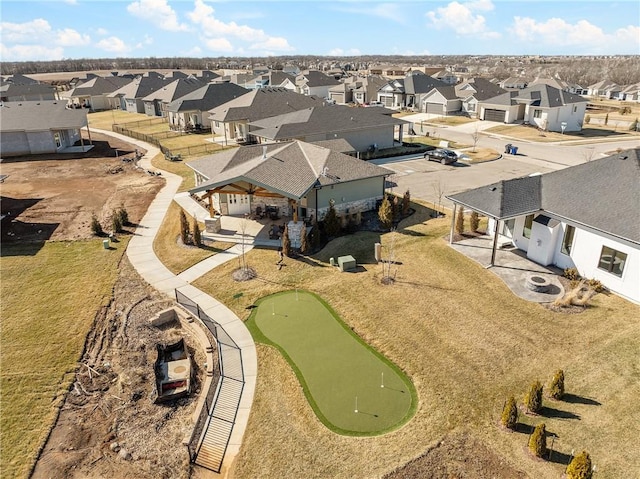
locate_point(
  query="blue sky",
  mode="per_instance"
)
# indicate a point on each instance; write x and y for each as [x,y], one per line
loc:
[54,30]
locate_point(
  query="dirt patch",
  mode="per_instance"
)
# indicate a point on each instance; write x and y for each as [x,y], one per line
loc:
[109,425]
[52,197]
[458,456]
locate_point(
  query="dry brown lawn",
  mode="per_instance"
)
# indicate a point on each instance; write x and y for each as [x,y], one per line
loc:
[590,131]
[481,155]
[451,120]
[466,342]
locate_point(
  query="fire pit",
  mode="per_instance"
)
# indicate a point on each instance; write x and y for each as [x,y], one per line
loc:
[537,283]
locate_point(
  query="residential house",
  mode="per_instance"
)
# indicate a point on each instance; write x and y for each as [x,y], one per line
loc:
[130,96]
[630,93]
[231,119]
[581,217]
[543,106]
[155,103]
[476,90]
[363,128]
[445,76]
[290,177]
[392,94]
[192,110]
[273,78]
[23,88]
[441,100]
[416,86]
[40,127]
[94,93]
[314,83]
[513,83]
[602,89]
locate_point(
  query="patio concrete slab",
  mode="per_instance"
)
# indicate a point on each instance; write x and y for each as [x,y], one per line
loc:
[513,267]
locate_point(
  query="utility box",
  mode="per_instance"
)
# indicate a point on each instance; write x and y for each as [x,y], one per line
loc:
[377,252]
[105,244]
[332,261]
[347,263]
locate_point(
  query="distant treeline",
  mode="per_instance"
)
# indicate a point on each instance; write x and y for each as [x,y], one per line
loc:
[583,70]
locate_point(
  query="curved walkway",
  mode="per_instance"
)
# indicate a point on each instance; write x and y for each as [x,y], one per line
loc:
[144,260]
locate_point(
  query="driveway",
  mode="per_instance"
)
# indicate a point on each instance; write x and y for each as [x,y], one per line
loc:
[426,179]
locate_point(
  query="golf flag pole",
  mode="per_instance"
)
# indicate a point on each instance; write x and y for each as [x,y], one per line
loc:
[382,380]
[356,410]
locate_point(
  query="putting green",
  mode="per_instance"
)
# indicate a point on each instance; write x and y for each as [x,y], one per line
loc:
[335,367]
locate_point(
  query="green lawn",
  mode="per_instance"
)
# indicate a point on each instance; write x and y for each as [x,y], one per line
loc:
[352,388]
[50,296]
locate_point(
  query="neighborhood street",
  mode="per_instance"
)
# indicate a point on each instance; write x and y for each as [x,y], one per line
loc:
[429,180]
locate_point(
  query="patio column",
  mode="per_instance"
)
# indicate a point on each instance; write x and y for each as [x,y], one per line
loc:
[495,242]
[210,206]
[453,220]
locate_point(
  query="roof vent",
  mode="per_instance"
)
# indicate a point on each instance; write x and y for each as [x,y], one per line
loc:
[623,157]
[493,188]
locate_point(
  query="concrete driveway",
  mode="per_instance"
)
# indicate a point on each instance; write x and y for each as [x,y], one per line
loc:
[425,179]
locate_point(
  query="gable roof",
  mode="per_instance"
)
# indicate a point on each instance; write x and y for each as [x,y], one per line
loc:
[290,168]
[263,103]
[141,86]
[99,86]
[313,78]
[40,116]
[601,194]
[174,90]
[479,88]
[546,96]
[418,82]
[322,120]
[448,92]
[207,97]
[21,89]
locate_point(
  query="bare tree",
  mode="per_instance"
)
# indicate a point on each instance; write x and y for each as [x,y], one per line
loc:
[389,259]
[439,189]
[475,136]
[588,154]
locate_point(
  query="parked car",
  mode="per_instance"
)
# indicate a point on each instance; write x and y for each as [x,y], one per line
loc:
[376,103]
[444,156]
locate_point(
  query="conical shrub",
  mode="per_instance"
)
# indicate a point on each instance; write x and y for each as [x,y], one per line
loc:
[556,388]
[533,399]
[580,467]
[538,441]
[509,417]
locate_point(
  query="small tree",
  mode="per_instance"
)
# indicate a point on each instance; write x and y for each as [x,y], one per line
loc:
[533,399]
[123,215]
[315,235]
[580,467]
[475,137]
[304,243]
[509,417]
[332,224]
[634,125]
[538,441]
[96,227]
[406,203]
[385,213]
[587,119]
[286,242]
[606,119]
[556,388]
[438,189]
[184,228]
[397,207]
[116,222]
[195,233]
[474,221]
[460,221]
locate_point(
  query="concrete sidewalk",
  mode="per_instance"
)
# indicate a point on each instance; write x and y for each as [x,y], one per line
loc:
[148,265]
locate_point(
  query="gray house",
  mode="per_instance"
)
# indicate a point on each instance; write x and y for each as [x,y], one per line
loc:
[40,127]
[21,88]
[290,177]
[231,119]
[362,128]
[155,103]
[94,93]
[476,90]
[130,96]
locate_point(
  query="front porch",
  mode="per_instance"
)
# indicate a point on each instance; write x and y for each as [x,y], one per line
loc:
[513,267]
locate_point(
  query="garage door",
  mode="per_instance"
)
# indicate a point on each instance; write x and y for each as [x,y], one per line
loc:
[494,115]
[238,204]
[433,108]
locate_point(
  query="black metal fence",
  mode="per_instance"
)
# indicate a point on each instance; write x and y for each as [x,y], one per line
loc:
[229,367]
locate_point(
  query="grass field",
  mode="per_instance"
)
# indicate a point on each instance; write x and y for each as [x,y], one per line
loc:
[590,131]
[50,296]
[352,389]
[466,343]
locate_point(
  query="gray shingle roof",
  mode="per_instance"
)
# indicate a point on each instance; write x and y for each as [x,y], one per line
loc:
[313,78]
[484,89]
[263,103]
[99,86]
[40,116]
[174,90]
[546,96]
[290,168]
[602,194]
[322,120]
[207,97]
[141,86]
[421,83]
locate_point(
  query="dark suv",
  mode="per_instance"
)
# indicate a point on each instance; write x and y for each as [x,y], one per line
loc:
[446,157]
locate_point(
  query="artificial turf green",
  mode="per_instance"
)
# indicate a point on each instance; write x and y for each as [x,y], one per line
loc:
[334,365]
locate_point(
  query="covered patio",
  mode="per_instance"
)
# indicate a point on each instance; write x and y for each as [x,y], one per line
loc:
[513,267]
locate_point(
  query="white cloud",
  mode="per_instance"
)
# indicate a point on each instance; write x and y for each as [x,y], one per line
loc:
[395,12]
[102,31]
[339,52]
[28,32]
[216,32]
[30,52]
[194,52]
[556,31]
[463,19]
[113,45]
[159,13]
[71,38]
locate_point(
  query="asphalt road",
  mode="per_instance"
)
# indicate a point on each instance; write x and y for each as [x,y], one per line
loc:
[430,181]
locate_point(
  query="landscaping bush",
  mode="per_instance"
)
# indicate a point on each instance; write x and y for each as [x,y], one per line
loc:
[195,233]
[123,215]
[331,221]
[533,399]
[116,222]
[634,125]
[385,213]
[184,228]
[474,221]
[96,227]
[315,235]
[580,467]
[571,274]
[595,284]
[406,203]
[509,417]
[587,119]
[538,441]
[460,221]
[556,388]
[304,244]
[286,241]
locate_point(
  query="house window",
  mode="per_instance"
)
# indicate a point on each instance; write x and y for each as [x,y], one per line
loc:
[528,222]
[612,261]
[507,228]
[537,113]
[567,240]
[471,106]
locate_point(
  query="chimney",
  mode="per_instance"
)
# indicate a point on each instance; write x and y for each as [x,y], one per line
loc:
[264,152]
